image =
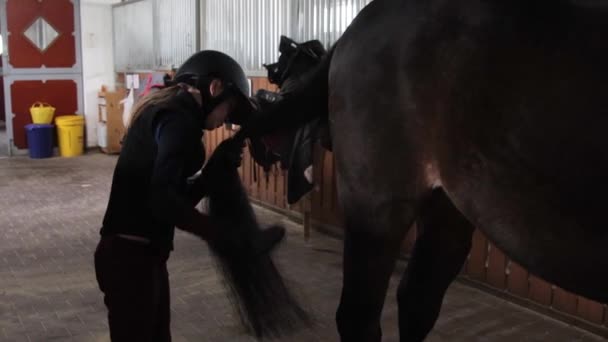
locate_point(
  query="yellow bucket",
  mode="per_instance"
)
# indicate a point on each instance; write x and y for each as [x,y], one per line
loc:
[70,133]
[42,113]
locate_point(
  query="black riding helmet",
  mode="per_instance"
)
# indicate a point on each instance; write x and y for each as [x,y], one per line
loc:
[202,67]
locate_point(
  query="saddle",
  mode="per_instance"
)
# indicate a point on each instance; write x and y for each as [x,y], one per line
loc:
[292,149]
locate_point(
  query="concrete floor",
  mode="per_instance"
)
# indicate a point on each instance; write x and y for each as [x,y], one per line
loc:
[51,213]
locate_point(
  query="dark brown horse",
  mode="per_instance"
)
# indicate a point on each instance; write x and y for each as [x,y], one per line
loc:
[460,114]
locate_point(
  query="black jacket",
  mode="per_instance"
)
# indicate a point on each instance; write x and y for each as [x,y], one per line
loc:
[161,150]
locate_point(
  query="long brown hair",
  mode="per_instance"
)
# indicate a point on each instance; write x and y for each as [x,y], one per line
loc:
[156,97]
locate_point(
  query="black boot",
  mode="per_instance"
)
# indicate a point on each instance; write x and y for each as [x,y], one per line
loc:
[267,239]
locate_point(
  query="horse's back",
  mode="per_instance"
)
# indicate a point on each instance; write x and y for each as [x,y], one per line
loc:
[507,98]
[520,85]
[528,103]
[524,152]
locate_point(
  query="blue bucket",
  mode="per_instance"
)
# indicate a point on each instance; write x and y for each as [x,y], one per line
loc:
[40,140]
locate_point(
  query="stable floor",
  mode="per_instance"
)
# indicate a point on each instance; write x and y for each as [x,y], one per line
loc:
[50,215]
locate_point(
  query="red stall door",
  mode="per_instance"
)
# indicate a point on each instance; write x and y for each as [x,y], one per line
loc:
[41,33]
[42,61]
[24,93]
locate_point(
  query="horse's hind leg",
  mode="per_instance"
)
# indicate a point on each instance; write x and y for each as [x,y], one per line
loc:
[443,243]
[372,240]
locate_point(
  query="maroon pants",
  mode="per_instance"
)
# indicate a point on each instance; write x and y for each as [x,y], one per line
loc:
[134,279]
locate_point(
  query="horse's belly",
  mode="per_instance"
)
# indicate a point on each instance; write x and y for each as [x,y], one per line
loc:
[531,221]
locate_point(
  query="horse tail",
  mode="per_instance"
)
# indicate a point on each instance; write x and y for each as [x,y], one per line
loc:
[306,101]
